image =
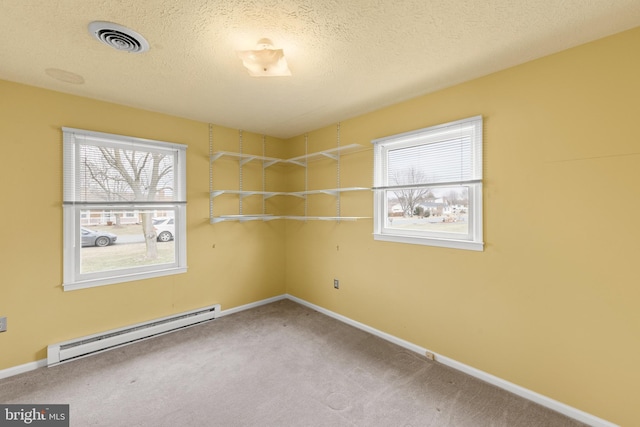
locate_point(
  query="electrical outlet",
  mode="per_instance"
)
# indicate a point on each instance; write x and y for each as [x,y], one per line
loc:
[336,283]
[3,324]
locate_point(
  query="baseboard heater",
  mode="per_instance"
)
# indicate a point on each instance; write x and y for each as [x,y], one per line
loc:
[92,344]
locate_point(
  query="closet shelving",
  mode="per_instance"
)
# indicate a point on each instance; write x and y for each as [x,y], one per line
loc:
[245,158]
[302,161]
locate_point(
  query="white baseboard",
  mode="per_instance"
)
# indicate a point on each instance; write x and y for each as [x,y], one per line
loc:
[20,369]
[547,402]
[252,305]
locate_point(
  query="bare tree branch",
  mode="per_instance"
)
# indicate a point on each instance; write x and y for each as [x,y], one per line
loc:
[410,198]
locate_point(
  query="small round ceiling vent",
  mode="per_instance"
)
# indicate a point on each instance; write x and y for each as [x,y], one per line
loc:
[118,37]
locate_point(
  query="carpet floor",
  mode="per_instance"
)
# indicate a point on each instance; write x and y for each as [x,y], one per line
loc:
[280,364]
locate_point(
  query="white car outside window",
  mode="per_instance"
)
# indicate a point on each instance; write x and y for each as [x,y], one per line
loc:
[165,228]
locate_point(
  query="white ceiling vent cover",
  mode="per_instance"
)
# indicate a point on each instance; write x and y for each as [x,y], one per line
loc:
[118,37]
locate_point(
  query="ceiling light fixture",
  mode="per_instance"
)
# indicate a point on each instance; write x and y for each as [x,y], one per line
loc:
[265,61]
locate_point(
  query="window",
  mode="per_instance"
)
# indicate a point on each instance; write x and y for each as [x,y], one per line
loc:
[428,186]
[114,188]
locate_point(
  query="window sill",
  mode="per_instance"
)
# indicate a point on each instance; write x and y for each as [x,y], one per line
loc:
[112,280]
[444,243]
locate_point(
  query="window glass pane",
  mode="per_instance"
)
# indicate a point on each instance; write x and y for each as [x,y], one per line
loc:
[434,209]
[114,239]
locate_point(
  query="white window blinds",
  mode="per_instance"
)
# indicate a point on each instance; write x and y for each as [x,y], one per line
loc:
[441,155]
[108,169]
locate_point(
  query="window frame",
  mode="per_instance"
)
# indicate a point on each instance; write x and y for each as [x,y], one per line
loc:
[73,279]
[473,240]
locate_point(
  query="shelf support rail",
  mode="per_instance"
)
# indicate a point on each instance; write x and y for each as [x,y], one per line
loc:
[210,171]
[240,171]
[306,171]
[264,174]
[338,172]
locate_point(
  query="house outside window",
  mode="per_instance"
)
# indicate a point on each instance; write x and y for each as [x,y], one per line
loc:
[114,186]
[428,186]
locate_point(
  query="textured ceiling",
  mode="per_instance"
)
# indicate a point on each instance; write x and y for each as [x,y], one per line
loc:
[347,57]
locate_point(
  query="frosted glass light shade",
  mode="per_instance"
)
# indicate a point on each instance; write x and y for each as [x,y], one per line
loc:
[265,61]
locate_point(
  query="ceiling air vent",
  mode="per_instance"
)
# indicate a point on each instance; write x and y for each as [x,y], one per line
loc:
[118,37]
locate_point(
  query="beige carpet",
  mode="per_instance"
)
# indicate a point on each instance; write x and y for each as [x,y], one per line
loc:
[281,364]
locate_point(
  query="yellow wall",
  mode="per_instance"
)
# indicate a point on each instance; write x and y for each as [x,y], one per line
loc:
[552,302]
[246,264]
